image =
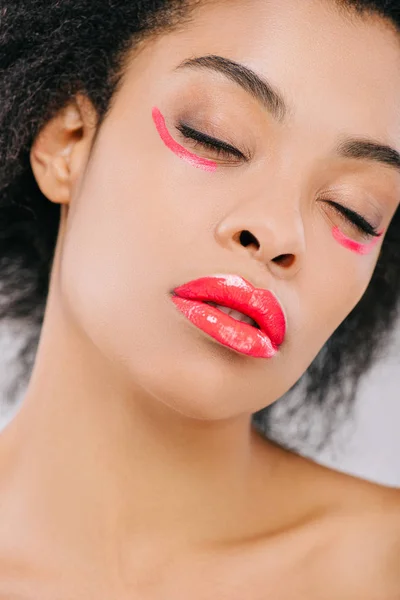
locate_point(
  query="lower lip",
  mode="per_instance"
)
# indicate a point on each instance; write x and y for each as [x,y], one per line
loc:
[225,329]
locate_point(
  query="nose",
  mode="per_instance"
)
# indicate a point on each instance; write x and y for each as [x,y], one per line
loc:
[272,233]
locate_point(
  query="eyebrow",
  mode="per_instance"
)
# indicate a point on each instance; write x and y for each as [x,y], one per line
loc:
[271,99]
[368,150]
[247,79]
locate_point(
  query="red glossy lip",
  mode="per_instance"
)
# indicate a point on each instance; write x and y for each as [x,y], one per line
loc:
[234,292]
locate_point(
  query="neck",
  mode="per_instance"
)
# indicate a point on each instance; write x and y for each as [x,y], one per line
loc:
[97,463]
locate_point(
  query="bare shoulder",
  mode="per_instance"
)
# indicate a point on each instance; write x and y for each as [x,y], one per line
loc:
[365,550]
[346,543]
[364,539]
[356,532]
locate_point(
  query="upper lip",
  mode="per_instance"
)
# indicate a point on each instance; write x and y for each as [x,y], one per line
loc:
[236,292]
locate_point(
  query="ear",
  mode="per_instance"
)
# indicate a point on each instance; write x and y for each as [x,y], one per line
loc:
[60,151]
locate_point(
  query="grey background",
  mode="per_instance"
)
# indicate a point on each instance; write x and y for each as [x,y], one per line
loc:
[369,447]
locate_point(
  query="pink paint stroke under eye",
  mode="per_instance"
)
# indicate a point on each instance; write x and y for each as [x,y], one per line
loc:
[355,246]
[195,161]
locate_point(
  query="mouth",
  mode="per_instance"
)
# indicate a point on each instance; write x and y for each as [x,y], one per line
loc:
[235,313]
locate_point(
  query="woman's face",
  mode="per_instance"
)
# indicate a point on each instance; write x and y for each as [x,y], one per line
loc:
[155,209]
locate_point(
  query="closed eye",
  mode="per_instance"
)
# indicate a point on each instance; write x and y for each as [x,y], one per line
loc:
[208,142]
[355,219]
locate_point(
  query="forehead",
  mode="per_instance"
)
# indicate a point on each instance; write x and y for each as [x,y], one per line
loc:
[333,66]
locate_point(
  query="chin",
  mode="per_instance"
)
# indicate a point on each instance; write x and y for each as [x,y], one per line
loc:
[202,385]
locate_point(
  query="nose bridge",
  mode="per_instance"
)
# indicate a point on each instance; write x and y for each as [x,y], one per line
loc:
[273,218]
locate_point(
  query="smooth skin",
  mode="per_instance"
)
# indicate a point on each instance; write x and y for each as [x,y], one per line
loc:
[131,470]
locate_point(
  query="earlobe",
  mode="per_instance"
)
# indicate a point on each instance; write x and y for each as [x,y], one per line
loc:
[51,174]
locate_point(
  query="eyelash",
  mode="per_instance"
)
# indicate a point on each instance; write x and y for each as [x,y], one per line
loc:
[210,143]
[225,149]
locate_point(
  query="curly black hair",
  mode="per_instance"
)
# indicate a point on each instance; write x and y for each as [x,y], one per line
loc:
[51,50]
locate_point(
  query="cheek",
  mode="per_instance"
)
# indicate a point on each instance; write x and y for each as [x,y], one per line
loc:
[109,258]
[331,286]
[132,236]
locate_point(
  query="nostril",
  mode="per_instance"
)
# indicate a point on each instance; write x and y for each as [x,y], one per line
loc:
[284,260]
[247,239]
